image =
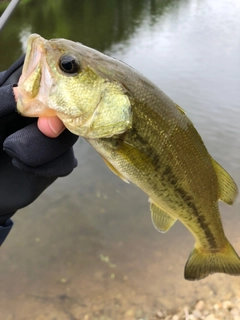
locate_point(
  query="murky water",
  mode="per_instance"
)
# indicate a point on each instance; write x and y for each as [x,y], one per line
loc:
[86,248]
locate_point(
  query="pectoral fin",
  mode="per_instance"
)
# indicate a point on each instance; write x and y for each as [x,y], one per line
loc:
[228,190]
[114,170]
[161,220]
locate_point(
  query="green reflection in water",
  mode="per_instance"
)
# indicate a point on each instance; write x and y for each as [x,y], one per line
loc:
[96,23]
[61,243]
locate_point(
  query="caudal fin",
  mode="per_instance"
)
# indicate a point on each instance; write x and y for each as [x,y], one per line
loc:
[200,264]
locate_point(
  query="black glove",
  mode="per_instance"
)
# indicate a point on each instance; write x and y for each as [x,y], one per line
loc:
[29,161]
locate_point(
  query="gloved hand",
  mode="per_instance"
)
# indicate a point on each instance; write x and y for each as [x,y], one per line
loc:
[29,160]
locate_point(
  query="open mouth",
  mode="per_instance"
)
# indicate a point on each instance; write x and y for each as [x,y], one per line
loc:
[35,49]
[35,81]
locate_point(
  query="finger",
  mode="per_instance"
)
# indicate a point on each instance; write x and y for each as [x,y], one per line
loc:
[59,167]
[51,127]
[33,148]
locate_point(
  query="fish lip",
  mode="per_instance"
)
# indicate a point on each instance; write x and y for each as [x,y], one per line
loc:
[28,102]
[35,47]
[33,55]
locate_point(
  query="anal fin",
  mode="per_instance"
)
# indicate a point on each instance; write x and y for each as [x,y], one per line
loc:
[161,220]
[228,190]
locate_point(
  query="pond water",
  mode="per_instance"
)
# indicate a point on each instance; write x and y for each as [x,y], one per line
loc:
[86,249]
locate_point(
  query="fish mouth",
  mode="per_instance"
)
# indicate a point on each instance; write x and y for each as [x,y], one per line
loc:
[35,82]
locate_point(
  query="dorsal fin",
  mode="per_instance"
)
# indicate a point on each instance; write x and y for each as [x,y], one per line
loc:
[228,189]
[180,109]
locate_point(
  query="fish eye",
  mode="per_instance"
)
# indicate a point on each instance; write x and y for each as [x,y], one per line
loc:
[69,64]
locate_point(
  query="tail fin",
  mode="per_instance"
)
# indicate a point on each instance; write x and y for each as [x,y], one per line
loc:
[200,264]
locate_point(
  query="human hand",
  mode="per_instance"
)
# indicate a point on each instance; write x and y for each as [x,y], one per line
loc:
[29,160]
[30,149]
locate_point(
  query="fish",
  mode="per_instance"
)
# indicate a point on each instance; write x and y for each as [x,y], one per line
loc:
[143,136]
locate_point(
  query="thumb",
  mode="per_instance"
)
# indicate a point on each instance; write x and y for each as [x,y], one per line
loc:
[51,127]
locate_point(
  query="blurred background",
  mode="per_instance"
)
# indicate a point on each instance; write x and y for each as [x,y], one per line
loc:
[86,249]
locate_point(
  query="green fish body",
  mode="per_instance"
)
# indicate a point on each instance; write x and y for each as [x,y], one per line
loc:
[142,135]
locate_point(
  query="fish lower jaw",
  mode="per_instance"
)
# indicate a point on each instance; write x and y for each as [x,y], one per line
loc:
[34,108]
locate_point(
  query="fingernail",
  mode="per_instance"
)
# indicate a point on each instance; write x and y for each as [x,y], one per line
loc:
[56,125]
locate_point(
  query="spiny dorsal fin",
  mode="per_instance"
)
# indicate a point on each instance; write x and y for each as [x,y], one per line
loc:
[228,190]
[114,170]
[161,220]
[180,109]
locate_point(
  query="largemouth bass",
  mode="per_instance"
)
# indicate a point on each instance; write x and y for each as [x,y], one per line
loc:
[143,136]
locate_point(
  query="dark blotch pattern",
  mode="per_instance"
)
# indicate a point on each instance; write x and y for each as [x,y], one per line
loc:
[171,178]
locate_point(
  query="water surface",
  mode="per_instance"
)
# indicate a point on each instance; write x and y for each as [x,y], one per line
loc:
[86,249]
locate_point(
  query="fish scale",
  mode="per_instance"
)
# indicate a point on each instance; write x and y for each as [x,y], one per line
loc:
[143,136]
